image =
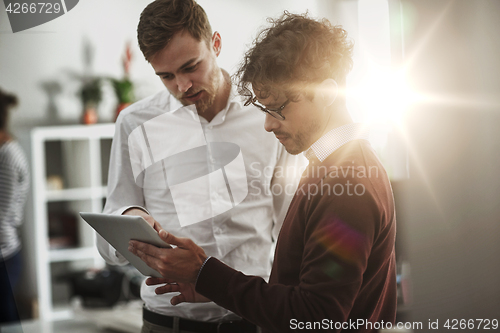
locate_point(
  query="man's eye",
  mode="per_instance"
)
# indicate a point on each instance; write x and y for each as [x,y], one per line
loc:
[191,68]
[167,77]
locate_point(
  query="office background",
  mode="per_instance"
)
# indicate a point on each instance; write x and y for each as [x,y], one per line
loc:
[446,185]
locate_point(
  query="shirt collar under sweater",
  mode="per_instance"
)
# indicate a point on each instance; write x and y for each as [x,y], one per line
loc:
[336,138]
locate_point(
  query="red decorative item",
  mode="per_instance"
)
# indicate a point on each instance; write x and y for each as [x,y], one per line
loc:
[89,116]
[127,58]
[120,107]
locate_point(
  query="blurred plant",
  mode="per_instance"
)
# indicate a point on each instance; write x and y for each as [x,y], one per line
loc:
[124,90]
[91,93]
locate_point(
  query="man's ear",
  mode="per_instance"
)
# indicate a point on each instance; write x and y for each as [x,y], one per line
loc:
[216,43]
[326,92]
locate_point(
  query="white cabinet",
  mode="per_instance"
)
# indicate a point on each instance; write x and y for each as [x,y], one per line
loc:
[69,167]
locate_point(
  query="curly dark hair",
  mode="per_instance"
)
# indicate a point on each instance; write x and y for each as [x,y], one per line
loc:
[6,102]
[294,51]
[162,19]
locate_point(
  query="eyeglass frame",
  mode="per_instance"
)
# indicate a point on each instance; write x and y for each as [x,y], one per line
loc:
[275,113]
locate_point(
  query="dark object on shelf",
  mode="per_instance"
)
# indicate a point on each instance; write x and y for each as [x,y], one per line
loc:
[63,231]
[105,287]
[97,288]
[91,95]
[134,286]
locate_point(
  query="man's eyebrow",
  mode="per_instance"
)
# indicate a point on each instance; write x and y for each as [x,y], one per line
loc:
[186,64]
[189,62]
[271,105]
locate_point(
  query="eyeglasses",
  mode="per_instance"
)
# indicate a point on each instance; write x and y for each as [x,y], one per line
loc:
[276,113]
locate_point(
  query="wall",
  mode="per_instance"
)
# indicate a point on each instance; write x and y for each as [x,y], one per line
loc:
[451,205]
[41,64]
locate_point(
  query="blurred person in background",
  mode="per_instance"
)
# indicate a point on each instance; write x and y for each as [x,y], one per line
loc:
[14,185]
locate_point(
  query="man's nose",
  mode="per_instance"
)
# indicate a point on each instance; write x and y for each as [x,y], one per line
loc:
[271,123]
[184,83]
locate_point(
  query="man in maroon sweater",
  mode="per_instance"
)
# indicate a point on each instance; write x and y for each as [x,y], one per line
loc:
[334,266]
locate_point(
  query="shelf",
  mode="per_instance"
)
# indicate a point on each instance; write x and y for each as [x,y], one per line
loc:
[61,312]
[75,132]
[79,155]
[72,194]
[80,253]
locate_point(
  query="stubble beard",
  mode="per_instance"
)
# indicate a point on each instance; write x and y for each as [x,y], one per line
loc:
[302,140]
[204,103]
[207,101]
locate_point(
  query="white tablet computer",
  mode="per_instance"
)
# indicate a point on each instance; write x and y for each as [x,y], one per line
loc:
[118,230]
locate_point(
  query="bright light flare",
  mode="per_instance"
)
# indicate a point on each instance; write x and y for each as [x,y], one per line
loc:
[383,96]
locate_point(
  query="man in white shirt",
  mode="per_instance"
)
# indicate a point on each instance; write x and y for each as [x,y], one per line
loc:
[195,161]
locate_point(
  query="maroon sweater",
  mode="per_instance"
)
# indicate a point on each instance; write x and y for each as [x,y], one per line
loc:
[334,263]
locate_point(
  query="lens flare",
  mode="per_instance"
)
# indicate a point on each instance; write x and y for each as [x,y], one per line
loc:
[383,96]
[342,240]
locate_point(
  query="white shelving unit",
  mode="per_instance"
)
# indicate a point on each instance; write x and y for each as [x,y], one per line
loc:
[80,154]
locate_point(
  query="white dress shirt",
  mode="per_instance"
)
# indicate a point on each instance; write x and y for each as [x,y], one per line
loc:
[241,236]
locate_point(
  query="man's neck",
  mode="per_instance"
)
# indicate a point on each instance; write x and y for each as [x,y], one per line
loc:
[339,116]
[221,97]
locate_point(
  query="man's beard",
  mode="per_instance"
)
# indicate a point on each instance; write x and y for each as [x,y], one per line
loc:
[301,141]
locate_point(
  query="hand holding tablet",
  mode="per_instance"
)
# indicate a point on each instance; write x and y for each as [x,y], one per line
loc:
[118,230]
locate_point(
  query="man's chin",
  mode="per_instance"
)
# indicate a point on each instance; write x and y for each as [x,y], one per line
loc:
[293,150]
[204,104]
[201,106]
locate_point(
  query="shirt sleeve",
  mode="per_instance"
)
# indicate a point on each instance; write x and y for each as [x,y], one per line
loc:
[123,192]
[7,188]
[14,186]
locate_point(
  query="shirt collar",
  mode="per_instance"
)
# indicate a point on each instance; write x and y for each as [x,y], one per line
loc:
[336,138]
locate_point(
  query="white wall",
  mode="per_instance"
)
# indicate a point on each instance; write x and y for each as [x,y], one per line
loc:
[53,52]
[451,200]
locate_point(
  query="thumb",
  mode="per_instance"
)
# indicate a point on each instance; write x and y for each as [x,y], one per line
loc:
[157,226]
[173,240]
